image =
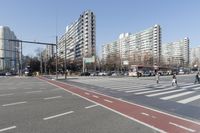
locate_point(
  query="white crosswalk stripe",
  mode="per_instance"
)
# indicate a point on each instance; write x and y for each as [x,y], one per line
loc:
[183,93]
[162,93]
[185,87]
[190,99]
[177,95]
[154,91]
[137,90]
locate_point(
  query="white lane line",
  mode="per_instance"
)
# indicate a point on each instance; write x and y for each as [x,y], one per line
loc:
[131,118]
[176,95]
[180,126]
[28,88]
[95,96]
[10,104]
[184,101]
[87,93]
[144,114]
[47,98]
[153,91]
[185,87]
[1,95]
[32,92]
[137,90]
[54,116]
[162,93]
[8,128]
[55,89]
[108,101]
[91,106]
[196,88]
[43,88]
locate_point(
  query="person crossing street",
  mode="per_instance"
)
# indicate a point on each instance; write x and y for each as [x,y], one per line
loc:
[197,78]
[174,80]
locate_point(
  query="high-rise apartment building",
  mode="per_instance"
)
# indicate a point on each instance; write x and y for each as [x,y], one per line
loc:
[9,50]
[139,48]
[176,53]
[195,56]
[79,38]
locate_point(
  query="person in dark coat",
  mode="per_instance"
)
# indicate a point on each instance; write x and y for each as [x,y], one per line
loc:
[197,78]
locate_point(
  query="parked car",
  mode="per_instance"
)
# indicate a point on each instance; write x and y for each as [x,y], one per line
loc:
[8,74]
[85,74]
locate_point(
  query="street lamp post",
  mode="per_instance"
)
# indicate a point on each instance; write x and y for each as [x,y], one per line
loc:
[65,59]
[65,62]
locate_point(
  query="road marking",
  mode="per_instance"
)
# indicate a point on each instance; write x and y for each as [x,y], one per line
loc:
[28,88]
[95,96]
[12,88]
[185,87]
[144,114]
[148,115]
[137,90]
[54,89]
[184,101]
[108,101]
[196,88]
[47,98]
[54,116]
[32,92]
[125,115]
[180,126]
[6,94]
[87,93]
[162,93]
[10,104]
[153,91]
[91,106]
[43,88]
[176,95]
[8,128]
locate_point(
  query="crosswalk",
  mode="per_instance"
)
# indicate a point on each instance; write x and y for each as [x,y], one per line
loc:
[184,93]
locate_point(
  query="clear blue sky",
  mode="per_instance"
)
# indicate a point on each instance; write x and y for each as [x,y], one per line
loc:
[41,20]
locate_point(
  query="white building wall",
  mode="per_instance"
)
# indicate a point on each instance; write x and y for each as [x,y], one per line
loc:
[9,50]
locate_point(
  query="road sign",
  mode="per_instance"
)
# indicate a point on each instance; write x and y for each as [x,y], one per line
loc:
[89,60]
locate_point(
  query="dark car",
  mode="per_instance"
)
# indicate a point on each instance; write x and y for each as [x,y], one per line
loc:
[85,74]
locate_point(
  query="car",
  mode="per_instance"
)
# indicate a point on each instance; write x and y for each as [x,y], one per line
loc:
[85,74]
[8,74]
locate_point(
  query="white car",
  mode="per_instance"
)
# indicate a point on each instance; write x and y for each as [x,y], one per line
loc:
[8,74]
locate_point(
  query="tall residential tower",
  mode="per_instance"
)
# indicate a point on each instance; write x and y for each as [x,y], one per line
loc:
[79,38]
[139,48]
[9,50]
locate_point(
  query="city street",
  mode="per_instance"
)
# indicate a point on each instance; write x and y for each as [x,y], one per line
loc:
[182,100]
[30,105]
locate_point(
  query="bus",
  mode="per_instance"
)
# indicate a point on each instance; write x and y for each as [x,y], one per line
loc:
[141,70]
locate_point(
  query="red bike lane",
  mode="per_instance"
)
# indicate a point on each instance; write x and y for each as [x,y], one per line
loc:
[155,119]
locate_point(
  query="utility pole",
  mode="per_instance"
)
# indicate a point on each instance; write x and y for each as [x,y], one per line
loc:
[65,62]
[21,61]
[56,57]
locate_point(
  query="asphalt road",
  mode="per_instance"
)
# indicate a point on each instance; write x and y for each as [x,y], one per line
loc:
[29,105]
[182,100]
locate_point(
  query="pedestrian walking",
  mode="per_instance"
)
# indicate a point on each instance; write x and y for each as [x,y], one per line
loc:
[197,78]
[174,80]
[157,78]
[138,74]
